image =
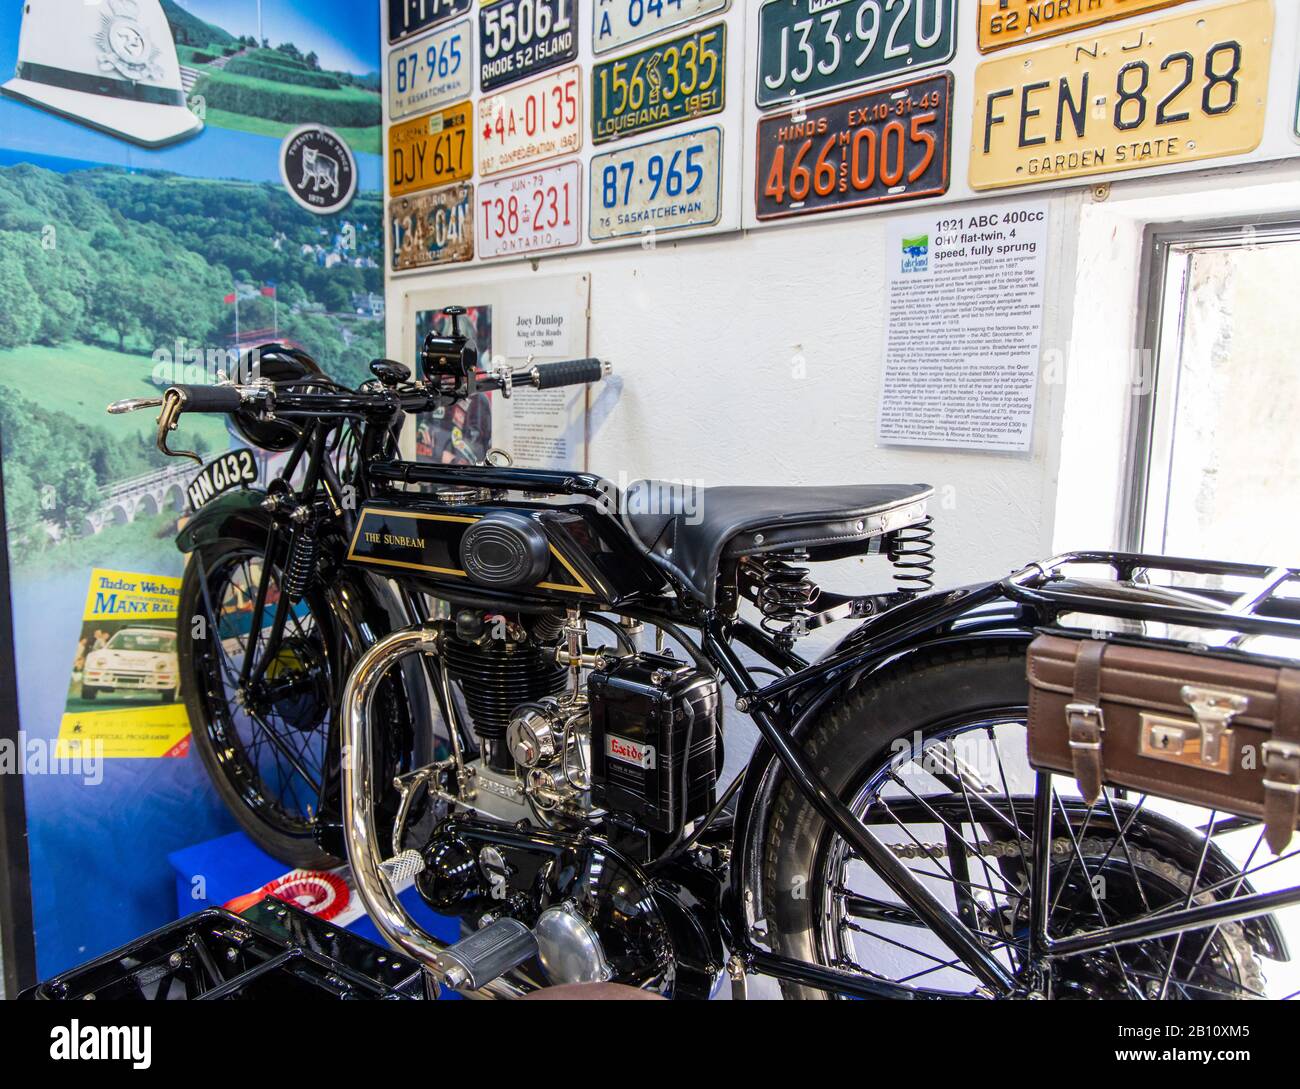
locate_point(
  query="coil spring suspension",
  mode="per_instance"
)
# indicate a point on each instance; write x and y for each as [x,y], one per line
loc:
[782,591]
[301,565]
[911,551]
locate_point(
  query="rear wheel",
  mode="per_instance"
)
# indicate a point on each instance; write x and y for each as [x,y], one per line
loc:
[931,756]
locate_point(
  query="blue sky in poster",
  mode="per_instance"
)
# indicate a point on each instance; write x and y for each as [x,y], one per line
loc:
[330,28]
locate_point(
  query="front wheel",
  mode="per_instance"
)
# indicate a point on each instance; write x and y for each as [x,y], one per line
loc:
[931,756]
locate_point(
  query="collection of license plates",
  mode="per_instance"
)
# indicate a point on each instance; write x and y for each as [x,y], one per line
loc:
[855,108]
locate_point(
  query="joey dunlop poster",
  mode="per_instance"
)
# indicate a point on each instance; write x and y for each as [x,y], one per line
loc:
[147,239]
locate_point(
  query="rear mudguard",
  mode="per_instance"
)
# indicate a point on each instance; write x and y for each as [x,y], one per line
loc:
[882,641]
[361,609]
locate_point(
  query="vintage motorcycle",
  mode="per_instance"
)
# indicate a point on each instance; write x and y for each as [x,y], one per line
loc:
[506,686]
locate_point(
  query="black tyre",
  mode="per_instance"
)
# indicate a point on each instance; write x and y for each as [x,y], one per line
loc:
[265,751]
[931,755]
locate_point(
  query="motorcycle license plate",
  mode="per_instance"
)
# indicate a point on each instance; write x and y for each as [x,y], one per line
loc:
[616,23]
[665,185]
[531,212]
[430,150]
[879,146]
[432,229]
[531,122]
[408,17]
[431,72]
[1014,22]
[662,84]
[810,47]
[520,38]
[1175,91]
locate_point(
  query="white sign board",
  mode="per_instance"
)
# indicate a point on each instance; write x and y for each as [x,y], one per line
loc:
[964,331]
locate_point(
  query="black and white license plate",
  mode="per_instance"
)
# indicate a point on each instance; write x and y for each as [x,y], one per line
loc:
[875,147]
[520,38]
[434,228]
[407,17]
[237,469]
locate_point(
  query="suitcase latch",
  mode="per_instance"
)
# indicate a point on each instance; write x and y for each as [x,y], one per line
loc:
[1213,710]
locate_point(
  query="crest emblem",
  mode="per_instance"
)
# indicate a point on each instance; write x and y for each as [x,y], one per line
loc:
[124,45]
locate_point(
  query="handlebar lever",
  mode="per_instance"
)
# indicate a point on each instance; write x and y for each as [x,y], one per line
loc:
[173,403]
[121,408]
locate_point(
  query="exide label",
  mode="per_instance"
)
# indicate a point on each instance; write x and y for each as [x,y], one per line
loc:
[629,752]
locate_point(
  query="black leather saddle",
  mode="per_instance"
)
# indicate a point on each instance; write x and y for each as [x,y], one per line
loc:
[694,530]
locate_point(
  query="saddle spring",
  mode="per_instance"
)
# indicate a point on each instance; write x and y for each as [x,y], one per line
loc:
[911,551]
[782,591]
[301,565]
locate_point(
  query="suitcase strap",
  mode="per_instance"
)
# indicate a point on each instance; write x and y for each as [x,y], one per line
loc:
[1282,765]
[1087,724]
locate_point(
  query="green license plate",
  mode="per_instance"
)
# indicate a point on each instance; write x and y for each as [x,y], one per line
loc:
[809,47]
[677,80]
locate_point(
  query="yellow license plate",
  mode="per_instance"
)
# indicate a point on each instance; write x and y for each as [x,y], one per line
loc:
[1174,91]
[1015,22]
[431,150]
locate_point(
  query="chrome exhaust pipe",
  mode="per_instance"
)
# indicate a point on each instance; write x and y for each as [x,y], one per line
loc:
[365,850]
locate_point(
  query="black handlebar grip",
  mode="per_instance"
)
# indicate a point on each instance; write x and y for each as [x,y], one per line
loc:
[575,372]
[209,398]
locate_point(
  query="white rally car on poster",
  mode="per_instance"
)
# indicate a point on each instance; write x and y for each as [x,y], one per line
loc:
[133,660]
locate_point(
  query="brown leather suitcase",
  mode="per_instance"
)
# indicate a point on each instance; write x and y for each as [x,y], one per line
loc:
[1210,731]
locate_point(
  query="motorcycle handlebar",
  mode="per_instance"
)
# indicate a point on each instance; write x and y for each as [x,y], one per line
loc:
[574,372]
[208,398]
